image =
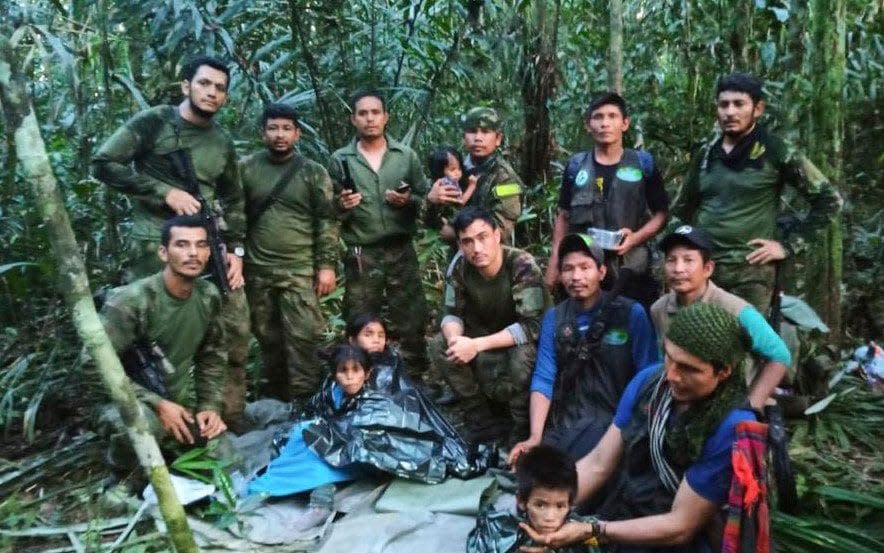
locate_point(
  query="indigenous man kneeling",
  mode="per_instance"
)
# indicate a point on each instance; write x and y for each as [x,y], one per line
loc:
[178,313]
[591,346]
[669,447]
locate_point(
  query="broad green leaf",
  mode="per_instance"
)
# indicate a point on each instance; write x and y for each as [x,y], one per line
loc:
[820,405]
[9,266]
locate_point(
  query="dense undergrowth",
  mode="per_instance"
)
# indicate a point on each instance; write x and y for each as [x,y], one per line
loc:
[96,63]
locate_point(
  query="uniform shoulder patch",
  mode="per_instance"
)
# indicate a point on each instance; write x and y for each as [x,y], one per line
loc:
[507,189]
[758,150]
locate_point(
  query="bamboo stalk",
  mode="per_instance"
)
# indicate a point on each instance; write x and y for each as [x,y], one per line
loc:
[19,115]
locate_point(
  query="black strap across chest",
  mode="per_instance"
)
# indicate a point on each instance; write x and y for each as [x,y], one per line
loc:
[262,206]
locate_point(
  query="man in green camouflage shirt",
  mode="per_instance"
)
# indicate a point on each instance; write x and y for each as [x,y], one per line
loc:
[291,254]
[379,194]
[494,301]
[177,311]
[135,161]
[499,188]
[733,192]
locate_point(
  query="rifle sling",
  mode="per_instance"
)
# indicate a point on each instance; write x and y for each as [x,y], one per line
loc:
[270,199]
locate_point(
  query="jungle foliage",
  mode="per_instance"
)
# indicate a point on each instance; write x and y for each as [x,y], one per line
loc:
[94,63]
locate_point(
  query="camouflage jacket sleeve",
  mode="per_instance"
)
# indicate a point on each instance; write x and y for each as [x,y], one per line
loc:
[684,208]
[454,299]
[325,225]
[419,184]
[529,295]
[124,319]
[210,367]
[113,163]
[230,194]
[825,202]
[505,199]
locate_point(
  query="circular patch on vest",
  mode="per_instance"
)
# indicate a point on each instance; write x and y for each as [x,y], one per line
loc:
[581,179]
[629,174]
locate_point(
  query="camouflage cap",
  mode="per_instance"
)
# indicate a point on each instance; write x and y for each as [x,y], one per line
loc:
[486,118]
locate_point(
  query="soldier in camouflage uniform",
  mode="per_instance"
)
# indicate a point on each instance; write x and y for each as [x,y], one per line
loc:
[291,254]
[733,192]
[494,299]
[379,194]
[498,187]
[134,161]
[179,312]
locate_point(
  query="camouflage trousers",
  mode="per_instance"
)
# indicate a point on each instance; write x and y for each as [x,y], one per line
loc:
[388,276]
[144,261]
[288,324]
[753,283]
[496,382]
[120,454]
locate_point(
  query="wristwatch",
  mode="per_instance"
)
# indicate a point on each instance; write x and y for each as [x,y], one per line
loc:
[239,251]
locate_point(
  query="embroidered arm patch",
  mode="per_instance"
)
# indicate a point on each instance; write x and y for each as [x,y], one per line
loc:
[507,189]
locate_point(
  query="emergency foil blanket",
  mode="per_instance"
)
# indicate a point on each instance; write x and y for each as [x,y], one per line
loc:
[392,426]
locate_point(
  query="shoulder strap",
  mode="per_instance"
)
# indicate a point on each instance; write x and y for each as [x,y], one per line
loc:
[646,160]
[602,319]
[263,205]
[573,167]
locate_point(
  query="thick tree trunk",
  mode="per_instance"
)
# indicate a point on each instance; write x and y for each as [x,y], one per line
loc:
[538,89]
[615,47]
[31,153]
[825,140]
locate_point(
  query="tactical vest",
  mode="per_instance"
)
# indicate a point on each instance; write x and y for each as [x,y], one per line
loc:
[625,206]
[639,491]
[593,370]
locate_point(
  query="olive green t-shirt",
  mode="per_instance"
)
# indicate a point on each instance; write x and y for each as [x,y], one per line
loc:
[514,296]
[188,331]
[298,232]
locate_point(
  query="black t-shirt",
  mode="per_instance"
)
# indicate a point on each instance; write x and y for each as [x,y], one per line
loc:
[655,192]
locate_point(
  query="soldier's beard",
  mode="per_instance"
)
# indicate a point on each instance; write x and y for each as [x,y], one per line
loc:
[737,134]
[199,111]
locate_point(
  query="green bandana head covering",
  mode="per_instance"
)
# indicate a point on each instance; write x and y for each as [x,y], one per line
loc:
[709,332]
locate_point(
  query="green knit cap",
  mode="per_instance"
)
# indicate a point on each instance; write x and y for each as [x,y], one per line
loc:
[710,333]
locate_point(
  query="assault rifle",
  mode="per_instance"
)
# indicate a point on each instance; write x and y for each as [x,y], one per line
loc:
[183,165]
[144,363]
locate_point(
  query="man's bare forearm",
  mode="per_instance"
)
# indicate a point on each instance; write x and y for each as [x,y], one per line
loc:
[498,340]
[651,228]
[538,410]
[768,379]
